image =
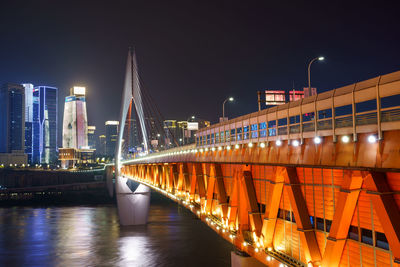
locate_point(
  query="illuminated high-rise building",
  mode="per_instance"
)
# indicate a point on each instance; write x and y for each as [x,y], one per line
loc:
[111,137]
[44,124]
[12,118]
[28,120]
[131,135]
[75,130]
[92,137]
[170,131]
[102,145]
[12,124]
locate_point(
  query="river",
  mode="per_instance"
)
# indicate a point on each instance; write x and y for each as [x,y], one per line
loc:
[92,236]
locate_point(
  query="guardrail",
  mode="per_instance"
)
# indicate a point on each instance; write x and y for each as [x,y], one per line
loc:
[370,106]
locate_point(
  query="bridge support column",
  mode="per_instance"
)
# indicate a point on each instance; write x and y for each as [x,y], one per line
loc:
[133,207]
[243,260]
[109,180]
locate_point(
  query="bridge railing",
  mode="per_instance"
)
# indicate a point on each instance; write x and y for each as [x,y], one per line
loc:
[370,106]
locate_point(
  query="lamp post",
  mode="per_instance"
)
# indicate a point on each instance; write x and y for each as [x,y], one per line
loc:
[309,74]
[223,107]
[309,93]
[183,128]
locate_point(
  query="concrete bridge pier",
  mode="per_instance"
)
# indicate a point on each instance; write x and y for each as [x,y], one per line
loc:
[109,180]
[133,207]
[241,259]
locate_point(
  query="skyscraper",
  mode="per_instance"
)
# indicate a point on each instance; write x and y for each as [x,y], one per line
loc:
[44,124]
[12,123]
[102,145]
[171,132]
[111,137]
[92,137]
[75,119]
[75,130]
[131,135]
[28,119]
[12,119]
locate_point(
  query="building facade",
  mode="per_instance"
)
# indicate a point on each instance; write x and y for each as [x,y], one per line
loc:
[75,130]
[75,147]
[111,137]
[28,120]
[102,145]
[44,124]
[92,137]
[12,123]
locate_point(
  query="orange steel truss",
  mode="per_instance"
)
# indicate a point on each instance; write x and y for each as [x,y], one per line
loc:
[310,206]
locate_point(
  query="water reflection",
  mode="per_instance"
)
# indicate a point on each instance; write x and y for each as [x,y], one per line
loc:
[91,236]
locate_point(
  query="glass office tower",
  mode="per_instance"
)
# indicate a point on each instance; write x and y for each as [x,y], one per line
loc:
[92,137]
[28,120]
[12,118]
[44,124]
[111,137]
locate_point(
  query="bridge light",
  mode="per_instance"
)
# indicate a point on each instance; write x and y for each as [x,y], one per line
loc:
[309,264]
[345,139]
[228,148]
[206,149]
[244,244]
[219,148]
[317,140]
[250,144]
[278,142]
[236,146]
[371,139]
[321,58]
[269,249]
[256,250]
[201,150]
[213,149]
[268,258]
[262,145]
[296,143]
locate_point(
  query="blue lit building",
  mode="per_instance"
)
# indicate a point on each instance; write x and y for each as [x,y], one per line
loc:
[28,119]
[44,124]
[12,118]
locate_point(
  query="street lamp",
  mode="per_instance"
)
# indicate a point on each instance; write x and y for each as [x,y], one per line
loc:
[183,128]
[223,107]
[309,74]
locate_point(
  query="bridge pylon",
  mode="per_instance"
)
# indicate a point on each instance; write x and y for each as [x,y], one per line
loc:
[133,207]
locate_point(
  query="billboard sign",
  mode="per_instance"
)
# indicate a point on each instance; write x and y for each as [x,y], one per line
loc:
[193,126]
[79,90]
[274,97]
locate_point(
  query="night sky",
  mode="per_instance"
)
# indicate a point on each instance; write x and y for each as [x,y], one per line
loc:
[194,54]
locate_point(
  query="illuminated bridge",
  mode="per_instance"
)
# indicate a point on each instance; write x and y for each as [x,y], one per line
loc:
[314,182]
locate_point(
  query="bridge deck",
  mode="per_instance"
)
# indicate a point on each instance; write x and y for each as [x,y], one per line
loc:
[267,184]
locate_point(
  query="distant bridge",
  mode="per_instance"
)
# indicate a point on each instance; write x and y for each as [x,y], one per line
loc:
[314,182]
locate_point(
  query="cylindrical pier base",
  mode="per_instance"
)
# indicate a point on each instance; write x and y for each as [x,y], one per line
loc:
[133,207]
